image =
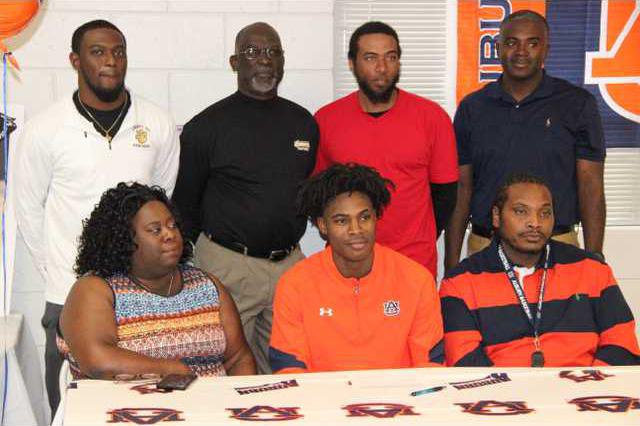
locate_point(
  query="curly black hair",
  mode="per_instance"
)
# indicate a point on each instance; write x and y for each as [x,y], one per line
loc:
[107,240]
[515,178]
[318,191]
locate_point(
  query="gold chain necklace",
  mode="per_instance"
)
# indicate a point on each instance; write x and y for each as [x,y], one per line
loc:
[138,282]
[93,119]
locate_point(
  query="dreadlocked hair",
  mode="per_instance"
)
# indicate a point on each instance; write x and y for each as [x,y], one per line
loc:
[107,240]
[317,192]
[515,178]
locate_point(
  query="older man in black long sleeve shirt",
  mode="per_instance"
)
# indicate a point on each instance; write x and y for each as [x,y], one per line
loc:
[241,162]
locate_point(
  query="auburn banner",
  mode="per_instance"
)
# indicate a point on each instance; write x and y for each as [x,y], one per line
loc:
[594,44]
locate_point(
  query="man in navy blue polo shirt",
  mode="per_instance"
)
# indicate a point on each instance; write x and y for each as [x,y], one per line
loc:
[529,122]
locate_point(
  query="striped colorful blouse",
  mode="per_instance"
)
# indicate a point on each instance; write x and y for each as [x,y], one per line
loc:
[185,326]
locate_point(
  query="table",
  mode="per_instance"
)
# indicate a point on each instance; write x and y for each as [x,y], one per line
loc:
[25,403]
[457,396]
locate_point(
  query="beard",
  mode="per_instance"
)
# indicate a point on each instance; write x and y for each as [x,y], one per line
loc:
[104,94]
[377,97]
[264,85]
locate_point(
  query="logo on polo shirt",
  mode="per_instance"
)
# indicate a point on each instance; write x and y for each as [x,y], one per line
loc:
[326,312]
[391,308]
[141,136]
[301,145]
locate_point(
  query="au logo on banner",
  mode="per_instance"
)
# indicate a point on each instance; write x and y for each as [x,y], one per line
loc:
[615,67]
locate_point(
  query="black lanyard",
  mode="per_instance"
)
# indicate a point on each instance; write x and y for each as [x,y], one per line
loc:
[537,358]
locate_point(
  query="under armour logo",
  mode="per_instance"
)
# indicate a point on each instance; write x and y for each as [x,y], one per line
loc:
[326,312]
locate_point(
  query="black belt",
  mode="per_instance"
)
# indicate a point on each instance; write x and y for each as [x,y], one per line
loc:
[272,255]
[488,233]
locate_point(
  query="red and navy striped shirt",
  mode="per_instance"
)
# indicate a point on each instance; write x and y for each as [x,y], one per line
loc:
[585,318]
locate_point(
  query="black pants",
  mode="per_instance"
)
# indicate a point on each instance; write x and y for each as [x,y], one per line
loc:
[52,358]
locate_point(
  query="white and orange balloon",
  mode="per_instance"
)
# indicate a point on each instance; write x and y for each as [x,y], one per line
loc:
[14,17]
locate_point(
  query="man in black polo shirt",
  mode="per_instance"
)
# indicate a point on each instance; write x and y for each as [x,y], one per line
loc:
[241,162]
[530,122]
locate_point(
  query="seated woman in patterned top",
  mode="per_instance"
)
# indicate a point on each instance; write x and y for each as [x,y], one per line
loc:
[138,308]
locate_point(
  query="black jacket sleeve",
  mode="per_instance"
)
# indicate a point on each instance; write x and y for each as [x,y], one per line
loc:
[443,196]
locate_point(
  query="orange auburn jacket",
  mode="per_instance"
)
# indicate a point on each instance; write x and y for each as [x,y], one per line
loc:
[585,318]
[323,321]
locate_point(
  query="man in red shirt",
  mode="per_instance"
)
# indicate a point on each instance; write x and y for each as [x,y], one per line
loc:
[355,305]
[407,138]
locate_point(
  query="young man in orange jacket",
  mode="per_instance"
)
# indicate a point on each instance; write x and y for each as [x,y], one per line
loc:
[357,304]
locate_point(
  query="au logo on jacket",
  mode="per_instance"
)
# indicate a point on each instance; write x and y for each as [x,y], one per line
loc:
[391,308]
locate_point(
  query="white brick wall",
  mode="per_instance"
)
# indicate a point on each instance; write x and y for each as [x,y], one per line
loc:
[178,58]
[178,49]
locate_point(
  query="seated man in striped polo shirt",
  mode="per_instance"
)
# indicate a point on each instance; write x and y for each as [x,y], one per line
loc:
[527,300]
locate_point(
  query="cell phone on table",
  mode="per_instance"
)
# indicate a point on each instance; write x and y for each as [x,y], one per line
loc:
[176,381]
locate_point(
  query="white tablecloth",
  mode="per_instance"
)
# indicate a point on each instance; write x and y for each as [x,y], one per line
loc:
[607,396]
[25,404]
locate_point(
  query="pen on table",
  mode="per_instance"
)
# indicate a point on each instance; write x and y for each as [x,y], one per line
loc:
[427,390]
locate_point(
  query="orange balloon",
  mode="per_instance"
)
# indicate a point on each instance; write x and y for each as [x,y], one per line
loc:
[14,17]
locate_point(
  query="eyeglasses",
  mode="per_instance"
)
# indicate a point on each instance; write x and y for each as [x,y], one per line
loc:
[128,378]
[252,52]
